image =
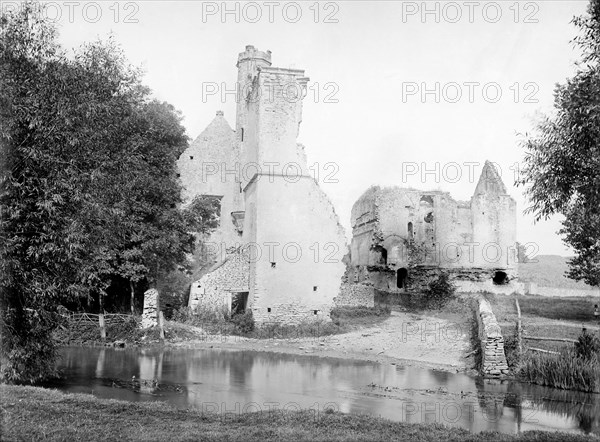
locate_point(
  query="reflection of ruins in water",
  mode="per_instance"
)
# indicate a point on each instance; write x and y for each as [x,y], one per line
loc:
[238,381]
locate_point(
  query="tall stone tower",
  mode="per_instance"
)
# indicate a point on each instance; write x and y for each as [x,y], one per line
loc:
[494,222]
[291,226]
[249,64]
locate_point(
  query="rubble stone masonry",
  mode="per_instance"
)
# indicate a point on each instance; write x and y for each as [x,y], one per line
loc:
[492,343]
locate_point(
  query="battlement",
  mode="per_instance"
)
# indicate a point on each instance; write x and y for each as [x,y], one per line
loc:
[251,53]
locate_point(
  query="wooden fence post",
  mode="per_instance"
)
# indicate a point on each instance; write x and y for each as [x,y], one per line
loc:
[161,325]
[102,326]
[519,330]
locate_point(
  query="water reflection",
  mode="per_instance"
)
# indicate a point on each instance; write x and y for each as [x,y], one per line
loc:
[234,382]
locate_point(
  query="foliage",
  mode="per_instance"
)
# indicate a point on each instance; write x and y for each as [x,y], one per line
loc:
[563,157]
[86,332]
[566,371]
[511,349]
[587,346]
[416,252]
[522,253]
[89,190]
[243,322]
[202,214]
[27,354]
[440,290]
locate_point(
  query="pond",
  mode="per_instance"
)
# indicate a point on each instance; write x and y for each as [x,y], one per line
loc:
[224,381]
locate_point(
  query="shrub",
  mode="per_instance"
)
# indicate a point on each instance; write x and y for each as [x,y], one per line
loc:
[28,350]
[511,350]
[587,346]
[439,290]
[243,322]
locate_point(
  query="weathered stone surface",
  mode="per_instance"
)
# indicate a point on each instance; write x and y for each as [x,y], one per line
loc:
[214,290]
[492,342]
[297,239]
[473,242]
[150,312]
[355,295]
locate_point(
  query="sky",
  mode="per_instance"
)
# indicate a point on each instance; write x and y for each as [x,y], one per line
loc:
[414,94]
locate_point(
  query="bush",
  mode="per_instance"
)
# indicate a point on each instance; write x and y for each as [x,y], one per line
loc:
[511,350]
[587,346]
[244,322]
[439,291]
[28,350]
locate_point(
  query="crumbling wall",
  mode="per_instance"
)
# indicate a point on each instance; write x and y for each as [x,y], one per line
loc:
[297,236]
[492,342]
[470,240]
[355,295]
[213,291]
[210,166]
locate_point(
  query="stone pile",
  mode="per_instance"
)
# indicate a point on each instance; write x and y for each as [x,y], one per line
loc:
[150,313]
[492,343]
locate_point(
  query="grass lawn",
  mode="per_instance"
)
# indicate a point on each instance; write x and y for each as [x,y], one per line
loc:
[30,413]
[544,316]
[549,271]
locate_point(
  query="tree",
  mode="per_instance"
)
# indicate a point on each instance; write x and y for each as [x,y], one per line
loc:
[562,157]
[522,253]
[89,189]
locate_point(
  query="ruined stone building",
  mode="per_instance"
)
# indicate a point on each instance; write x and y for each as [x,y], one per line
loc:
[280,241]
[280,250]
[401,237]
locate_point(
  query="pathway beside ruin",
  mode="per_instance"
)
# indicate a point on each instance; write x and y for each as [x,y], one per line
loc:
[403,339]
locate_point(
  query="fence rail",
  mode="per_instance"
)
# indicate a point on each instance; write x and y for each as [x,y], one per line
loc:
[94,318]
[541,338]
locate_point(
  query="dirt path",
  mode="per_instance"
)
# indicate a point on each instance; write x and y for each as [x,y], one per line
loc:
[404,339]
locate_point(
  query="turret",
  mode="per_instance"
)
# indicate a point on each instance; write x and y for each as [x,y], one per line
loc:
[249,63]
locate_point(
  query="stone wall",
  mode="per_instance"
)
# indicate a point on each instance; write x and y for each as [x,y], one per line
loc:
[214,290]
[489,286]
[355,295]
[493,361]
[208,167]
[289,220]
[479,234]
[150,313]
[466,280]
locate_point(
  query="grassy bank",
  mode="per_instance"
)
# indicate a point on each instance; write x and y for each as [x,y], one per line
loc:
[566,371]
[188,326]
[542,316]
[30,413]
[557,318]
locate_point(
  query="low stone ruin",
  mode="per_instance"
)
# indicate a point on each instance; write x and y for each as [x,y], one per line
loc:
[355,295]
[492,343]
[150,313]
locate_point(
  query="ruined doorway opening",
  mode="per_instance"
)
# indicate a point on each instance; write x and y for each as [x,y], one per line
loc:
[401,277]
[383,260]
[500,278]
[239,302]
[379,255]
[410,231]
